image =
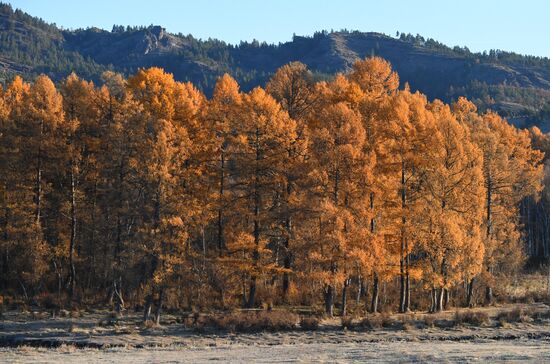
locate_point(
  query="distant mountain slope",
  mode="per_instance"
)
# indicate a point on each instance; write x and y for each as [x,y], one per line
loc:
[514,85]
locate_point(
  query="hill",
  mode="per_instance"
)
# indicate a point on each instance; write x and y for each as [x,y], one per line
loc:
[516,86]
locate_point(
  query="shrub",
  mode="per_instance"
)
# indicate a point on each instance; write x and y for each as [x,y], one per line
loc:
[254,321]
[389,322]
[48,301]
[309,323]
[429,320]
[518,314]
[149,324]
[371,322]
[541,315]
[346,322]
[472,318]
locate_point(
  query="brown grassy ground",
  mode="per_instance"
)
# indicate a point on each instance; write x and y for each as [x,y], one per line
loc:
[97,329]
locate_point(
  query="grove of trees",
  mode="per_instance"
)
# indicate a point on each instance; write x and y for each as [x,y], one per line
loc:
[348,193]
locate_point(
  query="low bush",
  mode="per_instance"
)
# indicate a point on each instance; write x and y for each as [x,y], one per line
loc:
[309,323]
[370,322]
[518,314]
[475,318]
[346,322]
[429,320]
[251,321]
[149,324]
[541,315]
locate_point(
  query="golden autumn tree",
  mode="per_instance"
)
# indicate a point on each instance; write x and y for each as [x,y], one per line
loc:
[339,177]
[407,135]
[512,171]
[294,88]
[223,110]
[113,194]
[37,112]
[450,218]
[262,136]
[165,149]
[79,154]
[145,192]
[377,85]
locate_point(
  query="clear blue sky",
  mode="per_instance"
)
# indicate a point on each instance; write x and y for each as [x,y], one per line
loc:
[522,26]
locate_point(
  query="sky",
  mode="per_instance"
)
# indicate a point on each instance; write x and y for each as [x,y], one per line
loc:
[512,25]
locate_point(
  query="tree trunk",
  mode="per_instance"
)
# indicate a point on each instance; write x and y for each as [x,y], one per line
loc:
[119,301]
[433,296]
[488,295]
[221,242]
[375,294]
[407,306]
[329,300]
[72,270]
[402,291]
[38,186]
[159,306]
[488,289]
[252,293]
[439,304]
[446,296]
[256,254]
[359,290]
[287,261]
[147,310]
[470,293]
[345,297]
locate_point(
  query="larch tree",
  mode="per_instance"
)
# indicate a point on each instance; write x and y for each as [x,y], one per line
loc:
[512,171]
[339,177]
[165,151]
[407,134]
[451,214]
[378,84]
[81,138]
[262,136]
[294,88]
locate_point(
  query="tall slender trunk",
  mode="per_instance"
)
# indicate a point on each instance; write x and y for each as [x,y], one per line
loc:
[38,181]
[256,254]
[488,295]
[402,284]
[360,288]
[469,293]
[375,294]
[287,261]
[433,297]
[329,289]
[117,266]
[221,242]
[403,252]
[329,300]
[488,288]
[446,297]
[375,285]
[345,297]
[159,306]
[439,303]
[72,276]
[407,303]
[148,304]
[5,237]
[154,257]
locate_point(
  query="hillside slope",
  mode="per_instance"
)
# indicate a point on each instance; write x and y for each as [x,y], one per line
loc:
[516,86]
